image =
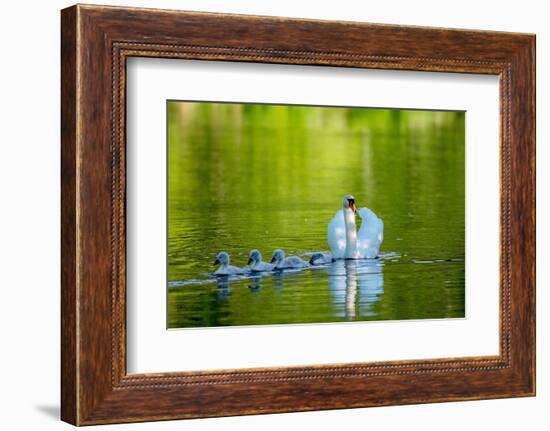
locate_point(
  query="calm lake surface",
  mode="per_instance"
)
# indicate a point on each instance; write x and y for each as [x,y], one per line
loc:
[267,177]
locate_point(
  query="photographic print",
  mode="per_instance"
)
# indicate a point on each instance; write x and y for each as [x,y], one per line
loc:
[294,214]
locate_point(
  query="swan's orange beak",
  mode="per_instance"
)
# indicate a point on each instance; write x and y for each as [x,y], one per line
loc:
[353,207]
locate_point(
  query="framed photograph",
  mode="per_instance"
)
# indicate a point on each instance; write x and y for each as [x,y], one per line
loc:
[264,214]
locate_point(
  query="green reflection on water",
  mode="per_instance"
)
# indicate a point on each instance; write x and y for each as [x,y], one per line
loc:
[243,176]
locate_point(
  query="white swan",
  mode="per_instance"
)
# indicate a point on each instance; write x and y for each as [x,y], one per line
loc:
[255,262]
[344,240]
[290,262]
[222,259]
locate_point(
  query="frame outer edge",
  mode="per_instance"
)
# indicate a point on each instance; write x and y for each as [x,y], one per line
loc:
[69,196]
[533,54]
[532,101]
[523,214]
[529,62]
[87,396]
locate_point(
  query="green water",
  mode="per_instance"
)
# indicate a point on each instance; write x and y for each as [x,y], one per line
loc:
[263,176]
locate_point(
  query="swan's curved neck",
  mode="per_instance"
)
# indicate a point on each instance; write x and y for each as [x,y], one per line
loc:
[351,234]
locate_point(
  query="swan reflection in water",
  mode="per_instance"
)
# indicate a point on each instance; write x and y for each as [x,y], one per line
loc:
[255,283]
[355,285]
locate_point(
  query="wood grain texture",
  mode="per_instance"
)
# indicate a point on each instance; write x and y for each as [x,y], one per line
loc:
[69,366]
[96,41]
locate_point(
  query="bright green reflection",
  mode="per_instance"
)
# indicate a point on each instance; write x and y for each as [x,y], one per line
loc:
[243,176]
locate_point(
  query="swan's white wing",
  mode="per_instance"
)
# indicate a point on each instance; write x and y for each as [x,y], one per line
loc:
[370,235]
[337,235]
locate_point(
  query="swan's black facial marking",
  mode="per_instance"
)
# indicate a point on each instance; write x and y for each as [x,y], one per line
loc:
[217,261]
[351,204]
[250,260]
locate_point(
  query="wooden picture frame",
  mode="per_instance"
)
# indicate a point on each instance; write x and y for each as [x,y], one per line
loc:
[95,43]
